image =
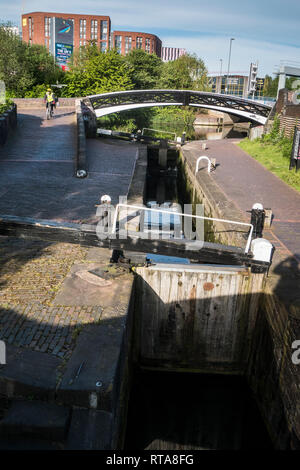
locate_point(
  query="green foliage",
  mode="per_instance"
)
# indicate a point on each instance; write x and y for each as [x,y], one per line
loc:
[22,66]
[38,91]
[5,106]
[188,72]
[127,121]
[96,72]
[278,138]
[273,150]
[184,115]
[271,85]
[145,69]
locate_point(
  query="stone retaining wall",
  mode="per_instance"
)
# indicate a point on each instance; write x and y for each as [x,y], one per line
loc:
[24,103]
[8,122]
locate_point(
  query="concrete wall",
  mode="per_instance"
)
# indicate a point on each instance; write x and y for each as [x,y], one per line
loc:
[196,317]
[8,122]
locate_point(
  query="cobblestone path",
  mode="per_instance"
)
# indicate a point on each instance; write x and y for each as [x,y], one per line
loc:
[37,180]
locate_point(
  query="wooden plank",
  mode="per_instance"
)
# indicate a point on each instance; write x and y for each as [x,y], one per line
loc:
[86,235]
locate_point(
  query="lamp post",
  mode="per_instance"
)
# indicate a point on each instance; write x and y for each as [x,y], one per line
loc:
[221,63]
[226,89]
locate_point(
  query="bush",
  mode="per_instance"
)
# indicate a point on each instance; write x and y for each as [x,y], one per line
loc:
[5,106]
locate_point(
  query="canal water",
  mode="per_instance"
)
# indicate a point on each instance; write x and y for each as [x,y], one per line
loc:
[197,132]
[166,189]
[193,411]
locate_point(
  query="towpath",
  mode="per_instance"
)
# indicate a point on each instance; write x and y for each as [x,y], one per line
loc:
[46,299]
[37,169]
[240,181]
[245,182]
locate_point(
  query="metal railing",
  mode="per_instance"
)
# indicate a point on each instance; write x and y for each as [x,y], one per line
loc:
[143,208]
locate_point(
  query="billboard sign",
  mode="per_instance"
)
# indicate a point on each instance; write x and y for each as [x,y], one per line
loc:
[63,53]
[63,41]
[64,31]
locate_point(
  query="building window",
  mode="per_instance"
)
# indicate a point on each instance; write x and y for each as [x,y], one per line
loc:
[82,29]
[103,46]
[94,29]
[139,43]
[128,44]
[103,32]
[47,27]
[147,45]
[118,43]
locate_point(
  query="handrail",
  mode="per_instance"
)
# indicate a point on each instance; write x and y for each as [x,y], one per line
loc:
[130,206]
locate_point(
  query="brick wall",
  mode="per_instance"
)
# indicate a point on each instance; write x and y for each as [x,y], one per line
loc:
[289,113]
[154,42]
[37,19]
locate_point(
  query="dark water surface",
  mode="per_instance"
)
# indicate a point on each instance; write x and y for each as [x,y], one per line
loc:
[193,411]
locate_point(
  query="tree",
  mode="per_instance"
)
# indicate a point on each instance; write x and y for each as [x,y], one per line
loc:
[97,72]
[22,66]
[271,85]
[145,69]
[188,72]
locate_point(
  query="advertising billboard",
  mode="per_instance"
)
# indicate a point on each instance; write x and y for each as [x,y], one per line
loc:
[63,41]
[63,54]
[64,31]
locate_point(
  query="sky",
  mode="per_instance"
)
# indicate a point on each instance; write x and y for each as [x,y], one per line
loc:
[266,31]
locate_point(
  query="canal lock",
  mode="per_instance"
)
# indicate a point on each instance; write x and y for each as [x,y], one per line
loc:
[192,340]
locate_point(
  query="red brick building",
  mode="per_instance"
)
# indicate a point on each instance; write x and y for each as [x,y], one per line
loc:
[36,28]
[125,41]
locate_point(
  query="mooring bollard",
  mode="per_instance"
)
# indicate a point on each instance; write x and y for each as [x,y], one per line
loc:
[104,212]
[258,220]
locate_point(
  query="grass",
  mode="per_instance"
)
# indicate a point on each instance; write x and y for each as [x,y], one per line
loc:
[273,157]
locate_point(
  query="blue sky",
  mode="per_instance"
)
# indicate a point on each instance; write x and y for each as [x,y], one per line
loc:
[266,31]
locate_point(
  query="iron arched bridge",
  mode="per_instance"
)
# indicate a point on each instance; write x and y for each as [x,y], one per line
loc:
[108,103]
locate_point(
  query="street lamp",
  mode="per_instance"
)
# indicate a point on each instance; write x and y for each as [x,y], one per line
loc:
[231,39]
[221,63]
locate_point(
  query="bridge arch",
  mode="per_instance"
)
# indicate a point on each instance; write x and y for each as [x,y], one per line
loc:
[108,103]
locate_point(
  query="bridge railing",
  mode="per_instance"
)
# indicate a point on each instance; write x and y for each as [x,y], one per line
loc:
[178,97]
